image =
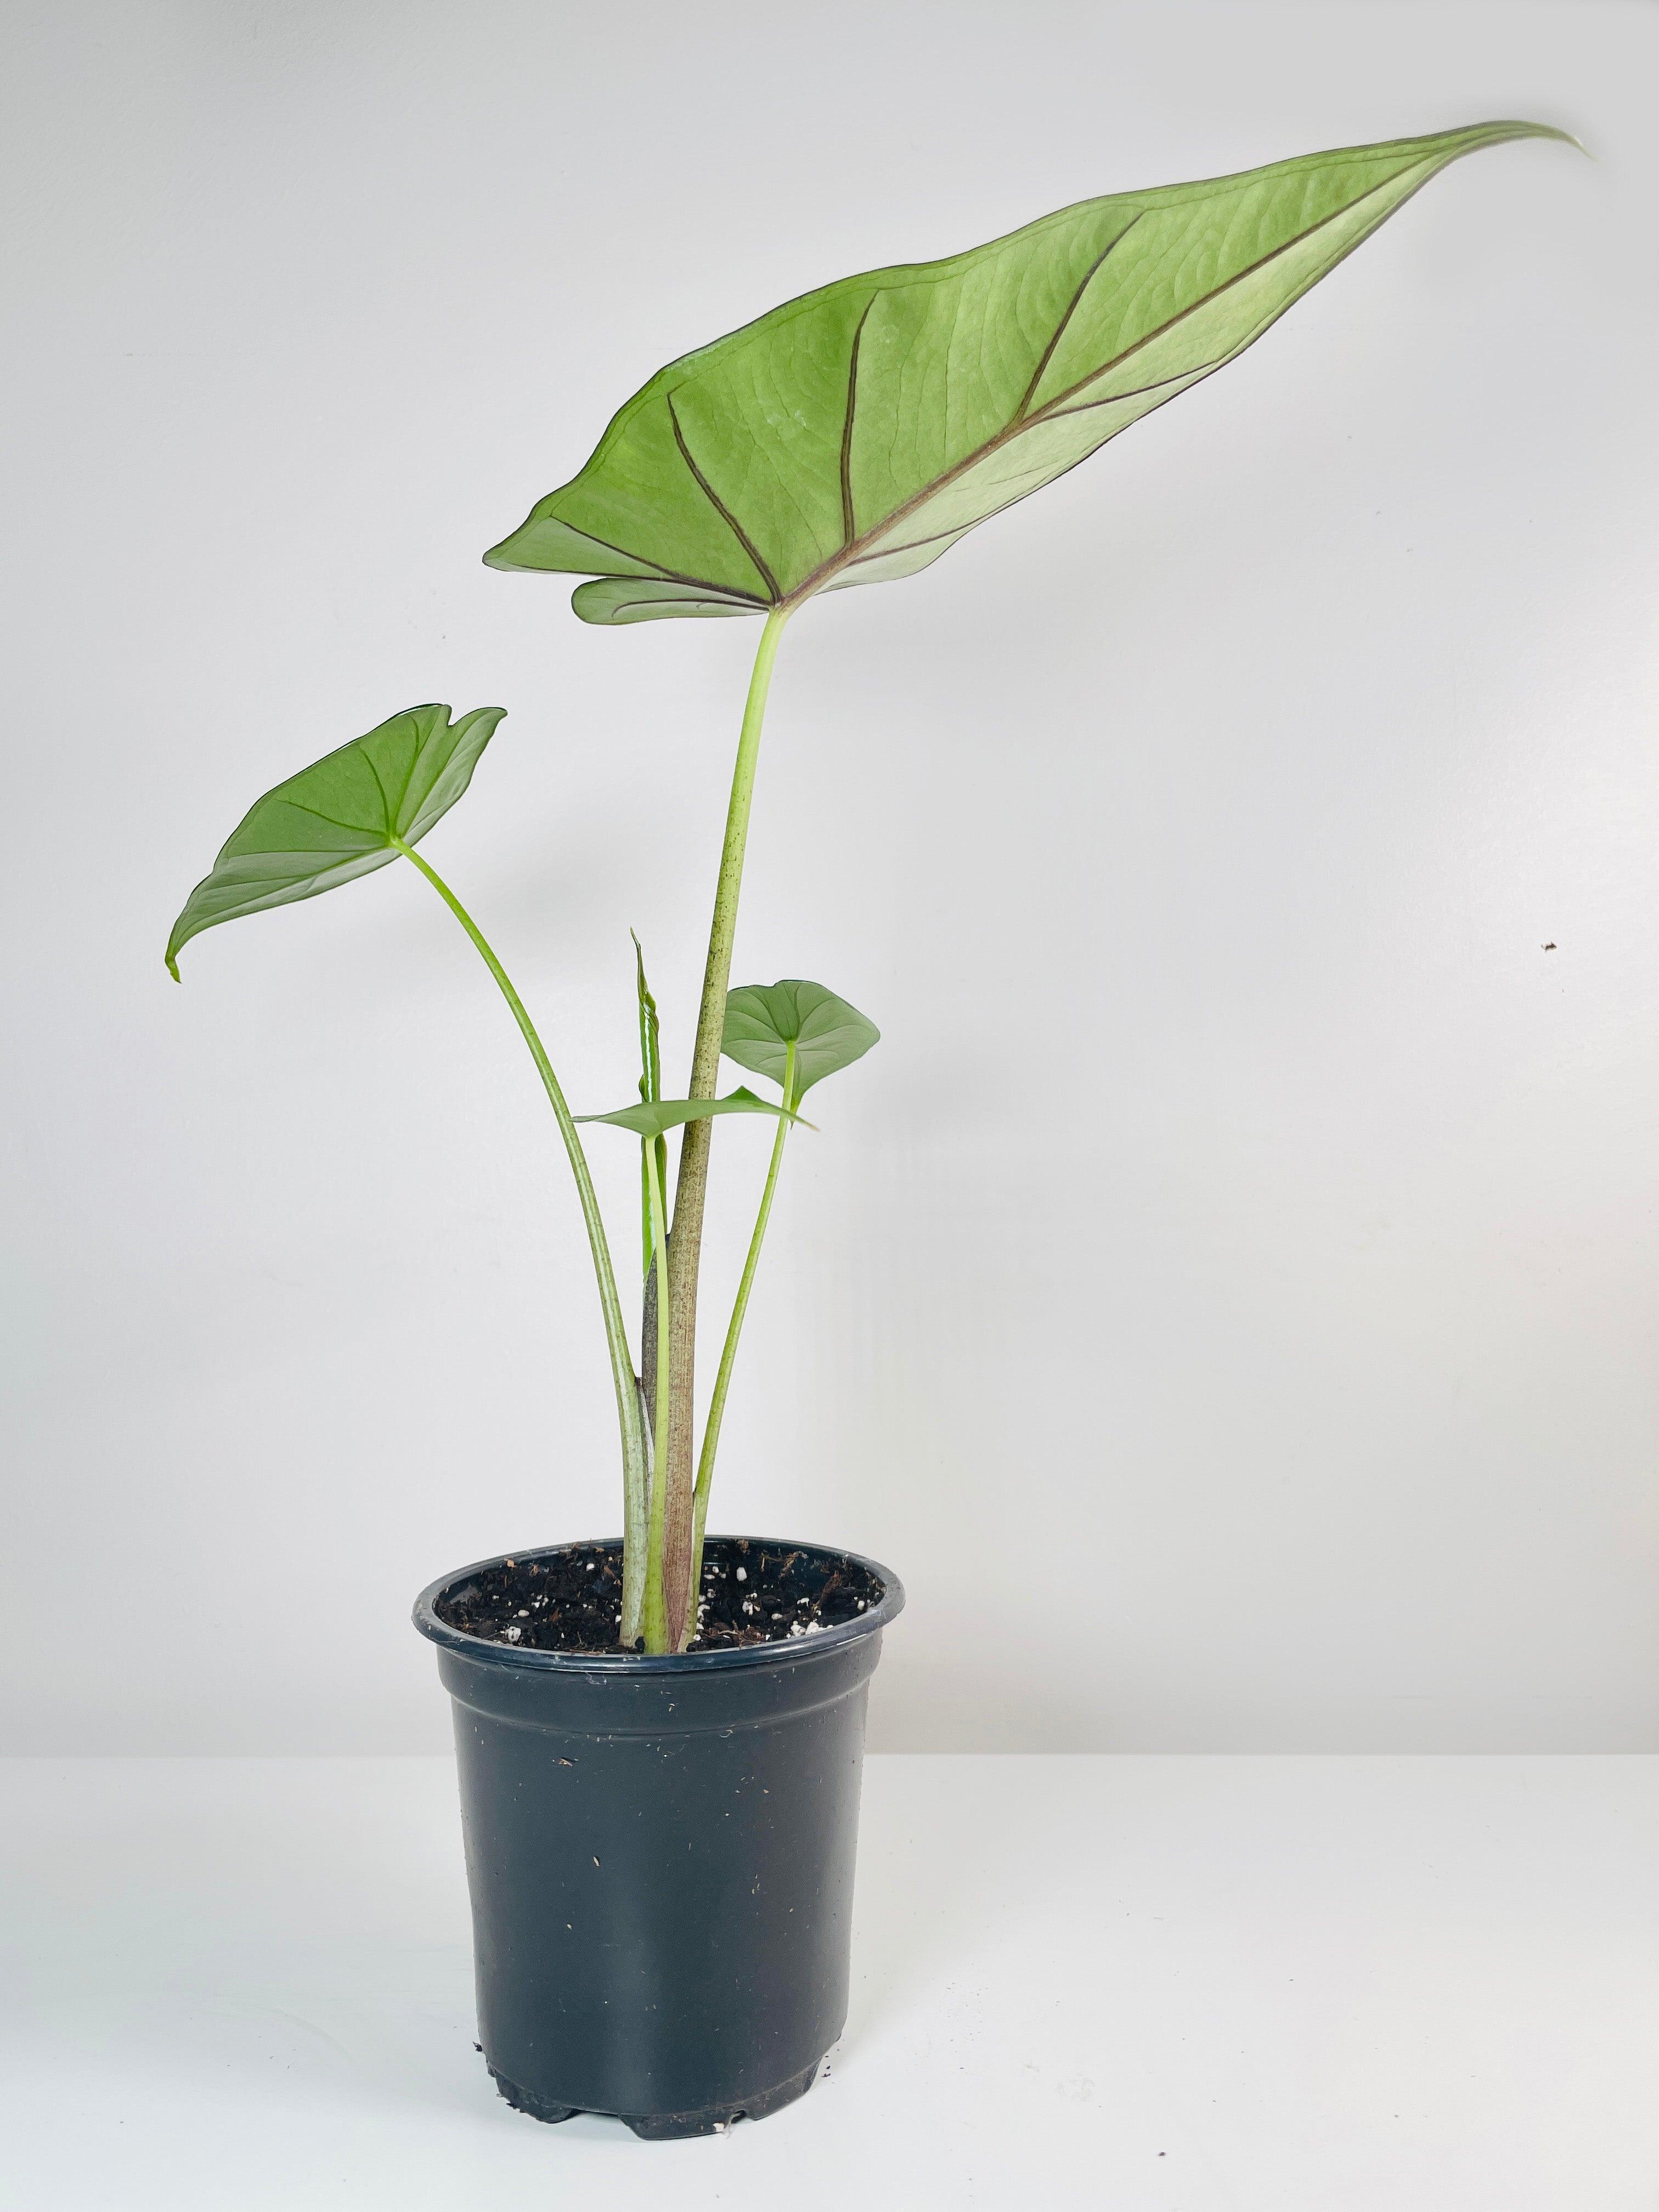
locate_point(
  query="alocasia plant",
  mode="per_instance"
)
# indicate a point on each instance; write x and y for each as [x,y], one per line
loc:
[850,436]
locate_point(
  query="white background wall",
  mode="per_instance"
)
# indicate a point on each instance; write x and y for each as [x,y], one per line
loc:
[1227,1296]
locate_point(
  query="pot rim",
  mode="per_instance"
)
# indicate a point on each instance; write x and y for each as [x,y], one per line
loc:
[789,1650]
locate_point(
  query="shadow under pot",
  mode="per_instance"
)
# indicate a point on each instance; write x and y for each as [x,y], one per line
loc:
[660,1850]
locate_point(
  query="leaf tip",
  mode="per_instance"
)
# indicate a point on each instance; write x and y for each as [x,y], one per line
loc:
[1566,138]
[173,965]
[1524,128]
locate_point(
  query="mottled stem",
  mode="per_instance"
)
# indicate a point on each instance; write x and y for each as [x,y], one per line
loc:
[673,1469]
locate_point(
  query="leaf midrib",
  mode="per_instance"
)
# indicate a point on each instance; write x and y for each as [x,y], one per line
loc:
[1020,423]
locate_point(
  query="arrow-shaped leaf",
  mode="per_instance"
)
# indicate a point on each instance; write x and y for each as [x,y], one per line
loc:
[763,1020]
[853,434]
[655,1117]
[341,816]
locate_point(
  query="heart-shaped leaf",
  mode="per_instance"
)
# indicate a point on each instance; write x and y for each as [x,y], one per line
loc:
[853,434]
[763,1020]
[340,818]
[655,1117]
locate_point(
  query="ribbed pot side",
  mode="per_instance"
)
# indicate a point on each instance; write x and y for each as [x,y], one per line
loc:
[661,1857]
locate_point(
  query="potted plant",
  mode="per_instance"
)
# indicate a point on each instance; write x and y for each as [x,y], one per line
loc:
[661,1736]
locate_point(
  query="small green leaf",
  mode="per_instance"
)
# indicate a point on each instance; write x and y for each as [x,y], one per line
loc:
[763,1020]
[650,1027]
[651,1093]
[853,434]
[340,818]
[653,1119]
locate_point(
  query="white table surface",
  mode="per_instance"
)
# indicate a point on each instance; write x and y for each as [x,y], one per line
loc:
[1261,1984]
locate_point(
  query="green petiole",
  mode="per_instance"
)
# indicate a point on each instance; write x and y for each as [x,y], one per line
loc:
[621,1363]
[711,1434]
[655,1619]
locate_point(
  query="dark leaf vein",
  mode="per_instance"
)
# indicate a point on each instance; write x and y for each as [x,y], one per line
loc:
[850,555]
[719,504]
[849,527]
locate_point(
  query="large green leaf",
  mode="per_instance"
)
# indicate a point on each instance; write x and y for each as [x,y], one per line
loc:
[763,1020]
[853,434]
[338,818]
[655,1117]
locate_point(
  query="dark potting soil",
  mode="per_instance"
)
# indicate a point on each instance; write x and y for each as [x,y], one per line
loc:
[571,1600]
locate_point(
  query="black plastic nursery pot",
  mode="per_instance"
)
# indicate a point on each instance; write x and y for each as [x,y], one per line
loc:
[660,1850]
